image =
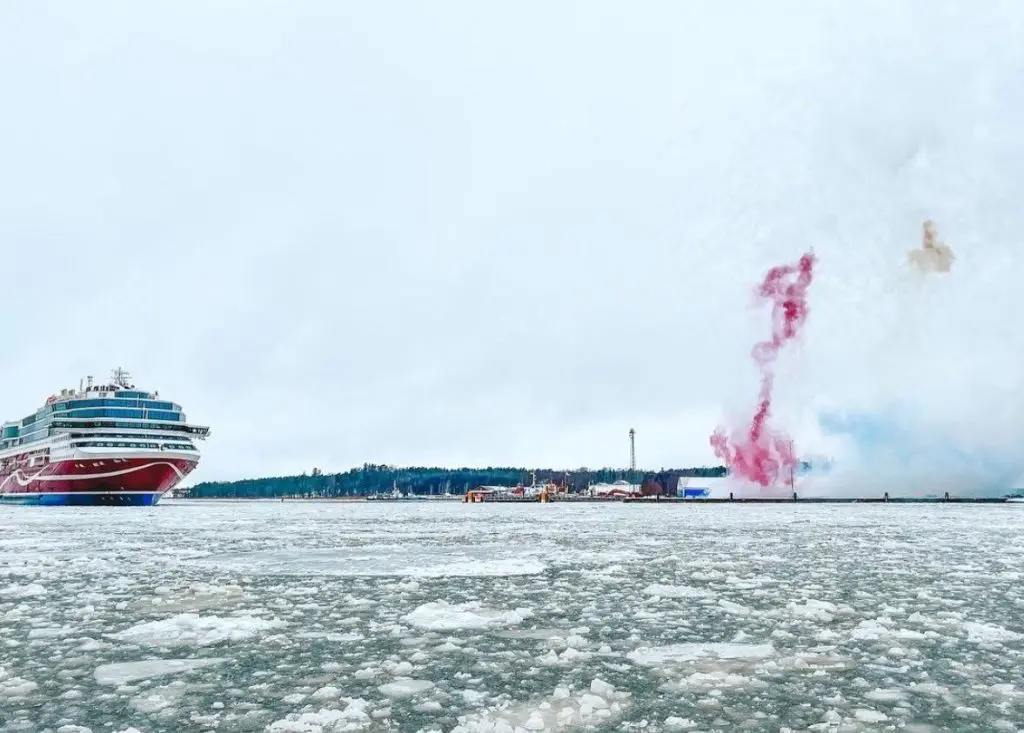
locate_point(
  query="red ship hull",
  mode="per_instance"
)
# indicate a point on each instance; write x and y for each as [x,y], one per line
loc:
[106,480]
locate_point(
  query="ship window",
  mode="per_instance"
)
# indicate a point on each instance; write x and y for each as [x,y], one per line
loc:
[164,415]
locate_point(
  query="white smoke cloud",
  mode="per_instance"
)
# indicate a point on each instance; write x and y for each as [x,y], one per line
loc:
[913,379]
[909,372]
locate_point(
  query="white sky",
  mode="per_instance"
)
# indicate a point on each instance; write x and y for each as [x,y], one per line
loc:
[488,234]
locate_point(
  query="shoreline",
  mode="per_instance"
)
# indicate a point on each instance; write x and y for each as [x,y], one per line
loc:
[616,500]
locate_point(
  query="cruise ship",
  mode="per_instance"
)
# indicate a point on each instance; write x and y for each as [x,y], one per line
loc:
[106,444]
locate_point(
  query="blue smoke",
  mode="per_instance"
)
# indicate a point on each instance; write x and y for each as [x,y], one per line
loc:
[902,454]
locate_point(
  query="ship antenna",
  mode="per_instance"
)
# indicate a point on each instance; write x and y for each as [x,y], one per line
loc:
[120,377]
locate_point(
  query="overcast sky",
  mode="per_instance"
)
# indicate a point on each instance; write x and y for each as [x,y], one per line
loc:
[465,233]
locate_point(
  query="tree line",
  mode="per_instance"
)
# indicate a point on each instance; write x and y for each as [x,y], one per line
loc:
[373,479]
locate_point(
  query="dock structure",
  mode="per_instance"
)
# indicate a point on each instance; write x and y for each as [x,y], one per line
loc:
[549,492]
[475,497]
[823,500]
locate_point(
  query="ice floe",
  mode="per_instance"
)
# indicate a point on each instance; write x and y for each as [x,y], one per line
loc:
[406,687]
[190,629]
[684,653]
[444,616]
[354,716]
[120,673]
[564,709]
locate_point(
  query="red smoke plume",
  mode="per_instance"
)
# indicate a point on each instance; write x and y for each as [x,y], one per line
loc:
[761,454]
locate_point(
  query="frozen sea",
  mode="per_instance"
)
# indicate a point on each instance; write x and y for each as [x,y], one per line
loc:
[316,617]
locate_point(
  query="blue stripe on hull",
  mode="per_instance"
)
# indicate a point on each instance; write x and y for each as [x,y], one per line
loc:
[113,498]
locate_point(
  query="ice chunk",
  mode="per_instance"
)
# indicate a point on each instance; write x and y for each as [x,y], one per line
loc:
[813,610]
[535,722]
[190,629]
[734,608]
[870,716]
[562,711]
[443,616]
[16,687]
[676,591]
[327,692]
[682,653]
[120,673]
[160,698]
[887,695]
[352,718]
[31,590]
[405,687]
[988,633]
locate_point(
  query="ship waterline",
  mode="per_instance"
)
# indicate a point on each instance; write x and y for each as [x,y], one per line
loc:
[105,444]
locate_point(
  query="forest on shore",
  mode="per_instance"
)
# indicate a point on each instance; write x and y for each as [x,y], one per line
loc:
[371,479]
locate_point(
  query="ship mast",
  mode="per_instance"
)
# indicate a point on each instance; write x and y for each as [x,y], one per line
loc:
[120,377]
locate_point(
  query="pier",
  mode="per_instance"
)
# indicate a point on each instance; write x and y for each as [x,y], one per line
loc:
[793,499]
[822,500]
